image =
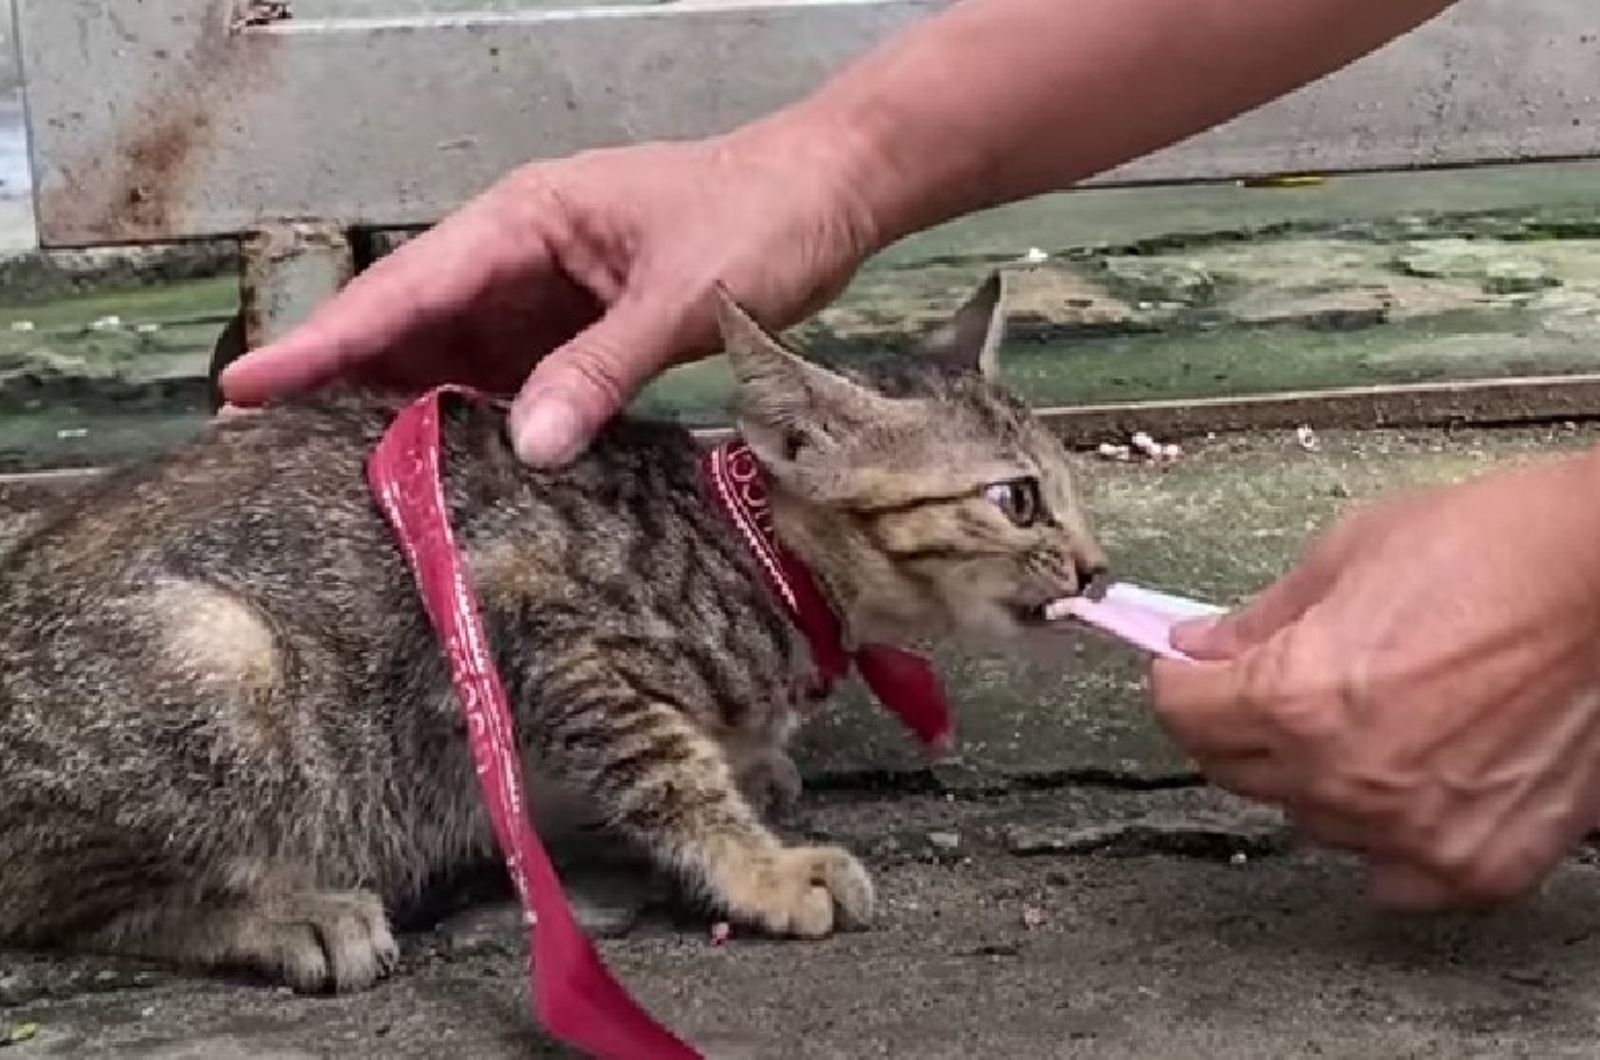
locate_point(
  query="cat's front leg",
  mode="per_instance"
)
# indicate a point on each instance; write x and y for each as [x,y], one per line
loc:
[670,787]
[771,781]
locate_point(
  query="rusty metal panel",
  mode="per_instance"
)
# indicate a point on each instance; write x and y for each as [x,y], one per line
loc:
[206,117]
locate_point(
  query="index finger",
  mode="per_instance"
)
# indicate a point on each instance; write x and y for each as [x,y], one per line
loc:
[400,299]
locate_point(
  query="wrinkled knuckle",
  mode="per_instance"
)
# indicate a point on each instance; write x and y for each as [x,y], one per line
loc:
[597,368]
[1303,720]
[1275,694]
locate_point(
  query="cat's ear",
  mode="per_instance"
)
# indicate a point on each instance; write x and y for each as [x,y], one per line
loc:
[785,403]
[970,340]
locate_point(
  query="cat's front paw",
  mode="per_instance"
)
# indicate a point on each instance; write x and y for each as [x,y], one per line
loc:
[810,892]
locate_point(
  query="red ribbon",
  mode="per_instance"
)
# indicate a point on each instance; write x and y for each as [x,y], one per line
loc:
[573,994]
[903,681]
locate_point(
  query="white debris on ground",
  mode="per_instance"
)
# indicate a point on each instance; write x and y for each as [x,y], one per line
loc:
[22,325]
[1307,438]
[1035,256]
[107,323]
[1144,445]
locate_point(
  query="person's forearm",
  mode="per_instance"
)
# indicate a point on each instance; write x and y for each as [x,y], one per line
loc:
[993,101]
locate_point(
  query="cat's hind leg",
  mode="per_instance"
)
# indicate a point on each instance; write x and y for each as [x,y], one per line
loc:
[312,941]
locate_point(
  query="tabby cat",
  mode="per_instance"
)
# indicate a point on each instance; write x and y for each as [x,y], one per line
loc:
[229,735]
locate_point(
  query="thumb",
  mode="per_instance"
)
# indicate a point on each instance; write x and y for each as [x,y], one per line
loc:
[1285,601]
[573,392]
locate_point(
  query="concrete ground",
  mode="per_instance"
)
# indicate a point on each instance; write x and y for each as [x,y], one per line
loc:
[1065,887]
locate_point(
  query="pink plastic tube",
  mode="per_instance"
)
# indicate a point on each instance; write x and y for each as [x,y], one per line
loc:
[1142,617]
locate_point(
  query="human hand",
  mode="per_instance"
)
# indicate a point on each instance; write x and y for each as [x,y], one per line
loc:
[1424,688]
[604,262]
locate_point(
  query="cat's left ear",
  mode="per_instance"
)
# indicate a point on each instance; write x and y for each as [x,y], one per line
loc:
[788,406]
[970,341]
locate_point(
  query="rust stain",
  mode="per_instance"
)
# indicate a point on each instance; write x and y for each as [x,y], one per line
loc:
[134,188]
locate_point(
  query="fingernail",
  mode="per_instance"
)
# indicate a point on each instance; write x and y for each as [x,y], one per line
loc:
[1194,632]
[546,430]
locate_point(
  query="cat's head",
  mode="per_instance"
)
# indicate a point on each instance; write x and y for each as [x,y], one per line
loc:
[929,499]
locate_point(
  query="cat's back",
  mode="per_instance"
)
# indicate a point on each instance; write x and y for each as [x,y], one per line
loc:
[276,504]
[287,473]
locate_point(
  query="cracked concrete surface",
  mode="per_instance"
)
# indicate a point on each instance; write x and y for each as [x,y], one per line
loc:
[1066,887]
[1163,948]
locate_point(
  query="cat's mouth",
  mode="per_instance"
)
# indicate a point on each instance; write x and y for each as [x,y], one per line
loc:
[1048,612]
[1031,614]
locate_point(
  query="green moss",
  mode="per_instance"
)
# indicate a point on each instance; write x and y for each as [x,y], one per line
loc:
[206,299]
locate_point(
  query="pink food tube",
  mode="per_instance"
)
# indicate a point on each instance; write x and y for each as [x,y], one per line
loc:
[1142,617]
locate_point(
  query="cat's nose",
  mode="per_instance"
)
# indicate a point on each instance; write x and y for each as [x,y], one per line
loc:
[1094,574]
[1092,566]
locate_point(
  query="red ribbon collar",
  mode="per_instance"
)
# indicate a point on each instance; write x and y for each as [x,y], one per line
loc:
[903,681]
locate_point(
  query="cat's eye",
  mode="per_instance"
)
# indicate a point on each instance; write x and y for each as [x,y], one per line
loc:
[1018,498]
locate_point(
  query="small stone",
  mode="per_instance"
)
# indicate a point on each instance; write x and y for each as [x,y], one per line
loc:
[605,912]
[17,1033]
[1441,258]
[1239,858]
[1517,277]
[1110,451]
[944,840]
[721,932]
[1307,439]
[495,928]
[1154,281]
[1033,917]
[1026,840]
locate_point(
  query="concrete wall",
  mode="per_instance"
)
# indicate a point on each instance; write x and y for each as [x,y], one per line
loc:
[10,75]
[10,72]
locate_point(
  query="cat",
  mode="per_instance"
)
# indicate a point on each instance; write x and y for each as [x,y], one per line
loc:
[229,735]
